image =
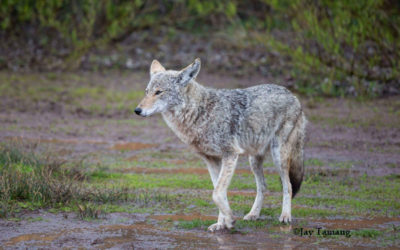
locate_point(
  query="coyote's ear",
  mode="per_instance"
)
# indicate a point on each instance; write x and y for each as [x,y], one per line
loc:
[189,73]
[156,67]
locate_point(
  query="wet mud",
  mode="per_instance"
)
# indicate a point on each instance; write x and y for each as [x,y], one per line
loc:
[127,231]
[383,222]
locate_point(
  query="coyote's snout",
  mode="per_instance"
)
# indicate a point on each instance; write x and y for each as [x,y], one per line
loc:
[221,124]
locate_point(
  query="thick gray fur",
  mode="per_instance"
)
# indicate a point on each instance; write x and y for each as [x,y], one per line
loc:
[221,124]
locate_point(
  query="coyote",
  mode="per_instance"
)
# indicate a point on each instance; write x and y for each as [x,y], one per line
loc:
[221,124]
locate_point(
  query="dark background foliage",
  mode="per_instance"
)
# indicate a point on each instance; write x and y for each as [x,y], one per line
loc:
[332,48]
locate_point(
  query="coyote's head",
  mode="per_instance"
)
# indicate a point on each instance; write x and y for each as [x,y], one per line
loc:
[165,87]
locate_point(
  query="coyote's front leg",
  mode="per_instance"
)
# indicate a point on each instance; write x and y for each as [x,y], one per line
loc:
[225,218]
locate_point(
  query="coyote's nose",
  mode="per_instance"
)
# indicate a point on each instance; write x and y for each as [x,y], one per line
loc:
[138,111]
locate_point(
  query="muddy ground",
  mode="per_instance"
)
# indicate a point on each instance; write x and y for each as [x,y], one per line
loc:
[352,169]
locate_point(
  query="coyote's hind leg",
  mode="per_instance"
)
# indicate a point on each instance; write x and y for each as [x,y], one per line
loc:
[257,169]
[280,157]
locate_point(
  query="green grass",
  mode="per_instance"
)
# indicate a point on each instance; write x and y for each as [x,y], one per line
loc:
[197,223]
[321,196]
[185,181]
[367,233]
[35,219]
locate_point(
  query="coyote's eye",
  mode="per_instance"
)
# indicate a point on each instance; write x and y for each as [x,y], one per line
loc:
[158,92]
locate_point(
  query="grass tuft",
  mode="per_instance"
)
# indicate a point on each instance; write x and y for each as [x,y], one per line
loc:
[29,182]
[24,177]
[89,211]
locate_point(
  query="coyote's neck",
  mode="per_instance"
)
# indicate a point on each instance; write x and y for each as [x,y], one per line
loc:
[188,119]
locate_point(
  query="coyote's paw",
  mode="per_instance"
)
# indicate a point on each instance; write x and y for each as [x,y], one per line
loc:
[250,216]
[285,218]
[228,223]
[216,227]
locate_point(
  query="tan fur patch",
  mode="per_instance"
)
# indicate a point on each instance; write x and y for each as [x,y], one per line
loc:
[156,67]
[147,102]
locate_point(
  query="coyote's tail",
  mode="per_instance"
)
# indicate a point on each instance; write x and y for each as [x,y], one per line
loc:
[296,164]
